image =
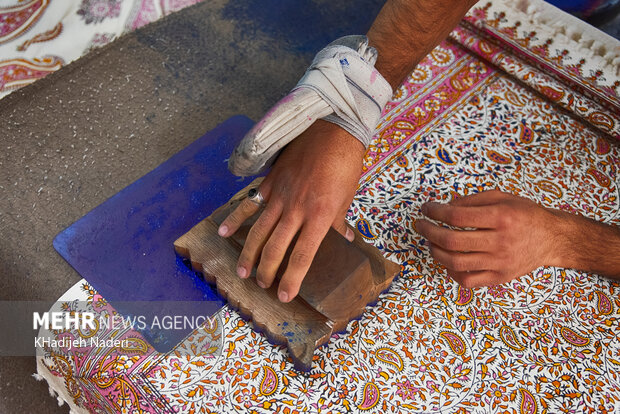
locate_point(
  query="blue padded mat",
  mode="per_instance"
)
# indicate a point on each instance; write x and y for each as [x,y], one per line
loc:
[124,247]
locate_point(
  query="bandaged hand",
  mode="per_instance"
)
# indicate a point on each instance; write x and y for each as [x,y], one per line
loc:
[341,86]
[308,190]
[324,126]
[511,236]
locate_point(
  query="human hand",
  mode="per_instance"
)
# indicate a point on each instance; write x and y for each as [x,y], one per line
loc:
[308,190]
[512,236]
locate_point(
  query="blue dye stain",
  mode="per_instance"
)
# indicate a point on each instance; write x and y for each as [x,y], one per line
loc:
[285,324]
[157,198]
[289,334]
[175,180]
[198,198]
[344,62]
[156,220]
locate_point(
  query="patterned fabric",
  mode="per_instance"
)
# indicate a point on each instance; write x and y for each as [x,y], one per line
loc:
[574,64]
[38,37]
[469,118]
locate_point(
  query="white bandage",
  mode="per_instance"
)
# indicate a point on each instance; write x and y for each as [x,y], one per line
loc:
[341,86]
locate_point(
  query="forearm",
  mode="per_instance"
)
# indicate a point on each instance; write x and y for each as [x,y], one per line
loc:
[588,245]
[407,30]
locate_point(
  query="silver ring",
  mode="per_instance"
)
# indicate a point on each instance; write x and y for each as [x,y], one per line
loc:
[256,197]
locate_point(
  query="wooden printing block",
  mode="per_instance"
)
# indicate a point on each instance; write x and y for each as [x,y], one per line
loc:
[343,278]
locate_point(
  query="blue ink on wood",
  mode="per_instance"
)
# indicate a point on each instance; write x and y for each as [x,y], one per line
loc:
[124,247]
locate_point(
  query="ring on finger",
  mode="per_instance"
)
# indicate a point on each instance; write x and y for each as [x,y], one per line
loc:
[255,196]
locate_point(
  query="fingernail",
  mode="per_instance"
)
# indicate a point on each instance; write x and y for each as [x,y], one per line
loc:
[241,272]
[424,209]
[223,230]
[349,235]
[283,296]
[261,284]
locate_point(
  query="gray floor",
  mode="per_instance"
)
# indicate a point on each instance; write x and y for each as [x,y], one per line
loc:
[80,135]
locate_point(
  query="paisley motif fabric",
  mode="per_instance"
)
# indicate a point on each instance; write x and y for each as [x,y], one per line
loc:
[486,109]
[38,37]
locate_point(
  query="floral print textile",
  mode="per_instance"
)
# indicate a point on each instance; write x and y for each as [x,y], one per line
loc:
[464,121]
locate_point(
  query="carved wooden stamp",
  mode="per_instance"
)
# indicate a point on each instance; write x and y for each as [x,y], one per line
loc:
[343,278]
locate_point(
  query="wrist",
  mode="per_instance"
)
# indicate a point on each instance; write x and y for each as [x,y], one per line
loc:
[344,139]
[332,140]
[587,245]
[565,236]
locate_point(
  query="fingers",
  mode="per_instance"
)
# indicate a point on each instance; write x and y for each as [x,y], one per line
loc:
[469,269]
[276,247]
[463,262]
[231,224]
[300,260]
[257,237]
[244,210]
[484,256]
[481,217]
[274,251]
[455,240]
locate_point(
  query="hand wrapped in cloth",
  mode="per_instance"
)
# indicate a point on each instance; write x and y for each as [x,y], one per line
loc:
[313,182]
[340,86]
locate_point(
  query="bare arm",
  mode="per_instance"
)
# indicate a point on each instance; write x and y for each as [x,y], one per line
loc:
[405,31]
[312,184]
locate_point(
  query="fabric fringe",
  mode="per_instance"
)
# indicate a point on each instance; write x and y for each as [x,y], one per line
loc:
[52,392]
[578,65]
[56,394]
[600,51]
[569,30]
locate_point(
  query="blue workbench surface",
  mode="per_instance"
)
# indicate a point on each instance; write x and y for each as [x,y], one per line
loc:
[124,247]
